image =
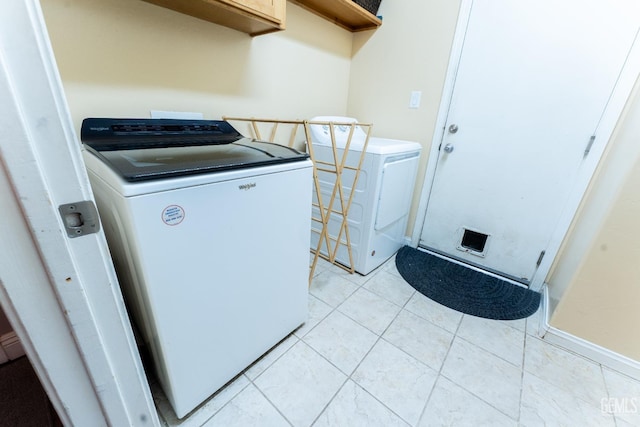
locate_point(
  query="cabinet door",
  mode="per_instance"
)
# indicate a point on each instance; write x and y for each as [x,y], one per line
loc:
[266,8]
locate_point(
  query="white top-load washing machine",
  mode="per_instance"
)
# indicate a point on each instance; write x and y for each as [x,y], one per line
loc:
[209,233]
[380,207]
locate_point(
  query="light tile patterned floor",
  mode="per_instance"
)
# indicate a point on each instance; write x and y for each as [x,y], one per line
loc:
[376,353]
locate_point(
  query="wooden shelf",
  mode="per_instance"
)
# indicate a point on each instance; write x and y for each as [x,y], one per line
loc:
[242,15]
[344,13]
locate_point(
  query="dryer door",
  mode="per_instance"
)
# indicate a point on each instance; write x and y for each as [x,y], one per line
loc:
[396,190]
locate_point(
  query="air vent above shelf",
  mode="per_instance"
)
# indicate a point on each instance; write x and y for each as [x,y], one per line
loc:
[344,13]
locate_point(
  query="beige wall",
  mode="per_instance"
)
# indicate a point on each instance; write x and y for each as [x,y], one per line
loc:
[123,58]
[596,281]
[410,51]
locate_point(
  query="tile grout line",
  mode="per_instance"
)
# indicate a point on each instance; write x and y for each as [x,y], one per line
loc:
[444,360]
[379,337]
[347,378]
[301,339]
[565,390]
[606,389]
[267,398]
[522,372]
[469,391]
[251,381]
[228,401]
[493,354]
[561,349]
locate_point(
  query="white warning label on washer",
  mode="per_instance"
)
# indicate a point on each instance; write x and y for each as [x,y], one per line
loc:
[173,215]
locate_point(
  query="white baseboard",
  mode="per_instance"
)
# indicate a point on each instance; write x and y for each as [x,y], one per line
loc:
[582,347]
[11,346]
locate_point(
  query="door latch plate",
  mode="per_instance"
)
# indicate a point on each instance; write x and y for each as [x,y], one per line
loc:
[79,218]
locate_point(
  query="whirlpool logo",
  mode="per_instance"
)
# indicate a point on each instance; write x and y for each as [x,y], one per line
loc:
[247,187]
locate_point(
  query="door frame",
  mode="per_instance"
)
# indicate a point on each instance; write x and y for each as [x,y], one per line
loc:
[60,294]
[606,127]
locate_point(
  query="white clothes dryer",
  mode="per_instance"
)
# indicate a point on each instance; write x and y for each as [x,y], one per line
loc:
[380,207]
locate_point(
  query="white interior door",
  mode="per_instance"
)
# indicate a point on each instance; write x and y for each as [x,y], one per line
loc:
[60,293]
[532,83]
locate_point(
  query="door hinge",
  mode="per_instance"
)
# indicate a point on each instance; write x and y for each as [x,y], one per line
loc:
[589,145]
[79,218]
[540,259]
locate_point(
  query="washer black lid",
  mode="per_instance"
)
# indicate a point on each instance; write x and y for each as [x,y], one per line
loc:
[150,149]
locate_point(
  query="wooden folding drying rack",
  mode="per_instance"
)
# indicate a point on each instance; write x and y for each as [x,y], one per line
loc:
[335,167]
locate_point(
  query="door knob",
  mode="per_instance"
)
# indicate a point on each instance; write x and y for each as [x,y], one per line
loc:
[448,148]
[453,128]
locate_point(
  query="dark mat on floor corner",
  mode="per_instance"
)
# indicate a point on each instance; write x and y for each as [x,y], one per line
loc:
[23,401]
[464,289]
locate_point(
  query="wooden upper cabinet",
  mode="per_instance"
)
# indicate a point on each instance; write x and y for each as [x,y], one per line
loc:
[265,8]
[254,17]
[344,13]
